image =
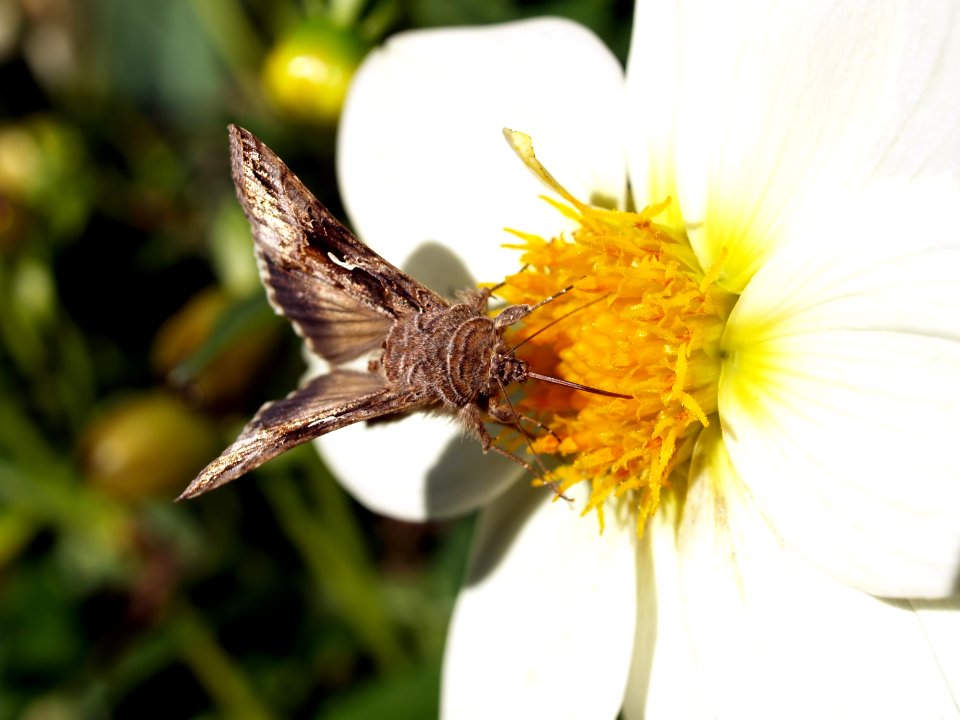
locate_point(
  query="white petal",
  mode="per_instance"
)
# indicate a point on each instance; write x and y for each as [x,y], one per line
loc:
[544,626]
[417,468]
[774,100]
[663,677]
[940,621]
[421,151]
[774,637]
[840,395]
[653,82]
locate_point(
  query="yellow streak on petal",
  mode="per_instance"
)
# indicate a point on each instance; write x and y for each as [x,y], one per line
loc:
[522,145]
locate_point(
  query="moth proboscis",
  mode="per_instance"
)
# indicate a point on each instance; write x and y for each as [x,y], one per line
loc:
[347,301]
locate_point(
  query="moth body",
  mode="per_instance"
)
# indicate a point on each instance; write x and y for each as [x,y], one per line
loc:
[456,354]
[345,301]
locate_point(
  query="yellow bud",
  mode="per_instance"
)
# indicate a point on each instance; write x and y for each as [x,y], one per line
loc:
[308,71]
[147,445]
[227,374]
[43,168]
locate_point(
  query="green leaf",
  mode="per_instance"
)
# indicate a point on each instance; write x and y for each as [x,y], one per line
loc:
[412,694]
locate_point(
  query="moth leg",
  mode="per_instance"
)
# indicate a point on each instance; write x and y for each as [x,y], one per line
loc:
[473,418]
[541,474]
[506,415]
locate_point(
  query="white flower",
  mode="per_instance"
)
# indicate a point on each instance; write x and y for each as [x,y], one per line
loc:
[814,149]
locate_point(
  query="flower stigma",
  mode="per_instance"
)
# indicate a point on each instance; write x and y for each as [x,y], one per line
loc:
[644,320]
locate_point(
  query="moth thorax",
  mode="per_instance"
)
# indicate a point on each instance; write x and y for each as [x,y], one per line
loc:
[511,369]
[469,354]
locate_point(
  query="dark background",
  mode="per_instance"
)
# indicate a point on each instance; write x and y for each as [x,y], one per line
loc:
[135,340]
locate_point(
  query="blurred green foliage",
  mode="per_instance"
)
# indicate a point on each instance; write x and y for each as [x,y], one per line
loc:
[134,342]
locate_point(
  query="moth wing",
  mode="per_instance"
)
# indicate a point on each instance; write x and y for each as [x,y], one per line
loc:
[332,324]
[322,405]
[340,295]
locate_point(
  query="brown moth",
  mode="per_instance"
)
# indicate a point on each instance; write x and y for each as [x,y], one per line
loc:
[345,301]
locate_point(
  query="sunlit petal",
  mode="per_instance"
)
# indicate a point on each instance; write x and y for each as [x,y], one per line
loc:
[544,625]
[772,101]
[840,399]
[775,637]
[664,680]
[654,71]
[421,152]
[940,622]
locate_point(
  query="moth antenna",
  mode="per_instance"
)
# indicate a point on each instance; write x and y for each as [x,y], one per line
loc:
[576,386]
[558,381]
[555,320]
[526,437]
[553,297]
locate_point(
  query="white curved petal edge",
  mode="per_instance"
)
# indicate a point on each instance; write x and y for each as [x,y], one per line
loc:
[840,395]
[416,468]
[421,154]
[545,623]
[774,637]
[770,103]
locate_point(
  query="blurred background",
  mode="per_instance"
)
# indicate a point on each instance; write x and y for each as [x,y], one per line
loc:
[135,341]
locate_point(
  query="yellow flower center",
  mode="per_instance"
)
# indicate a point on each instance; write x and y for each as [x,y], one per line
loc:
[644,320]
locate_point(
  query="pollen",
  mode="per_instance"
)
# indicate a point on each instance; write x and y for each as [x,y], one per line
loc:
[643,320]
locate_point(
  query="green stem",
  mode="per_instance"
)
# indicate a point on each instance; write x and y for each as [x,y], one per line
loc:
[344,13]
[338,569]
[226,684]
[238,44]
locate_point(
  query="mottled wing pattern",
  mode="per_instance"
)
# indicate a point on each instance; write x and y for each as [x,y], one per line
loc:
[324,404]
[340,296]
[333,324]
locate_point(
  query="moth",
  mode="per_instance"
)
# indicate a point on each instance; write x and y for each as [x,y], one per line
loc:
[347,301]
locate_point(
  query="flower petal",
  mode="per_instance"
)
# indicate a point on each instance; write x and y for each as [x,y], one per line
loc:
[416,468]
[421,150]
[774,637]
[544,625]
[663,676]
[653,83]
[773,101]
[940,621]
[840,393]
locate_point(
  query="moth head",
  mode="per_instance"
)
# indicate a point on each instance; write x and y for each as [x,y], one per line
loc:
[510,369]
